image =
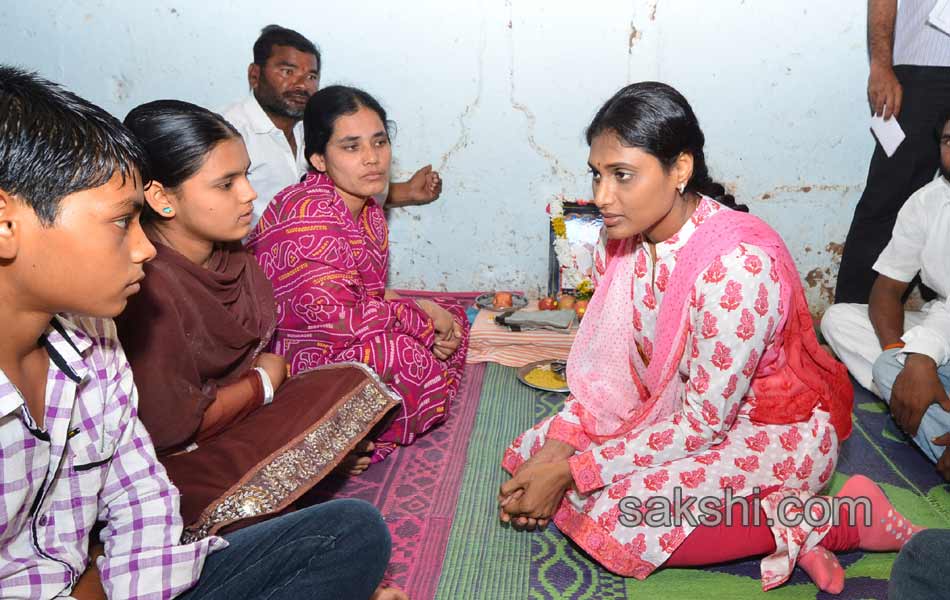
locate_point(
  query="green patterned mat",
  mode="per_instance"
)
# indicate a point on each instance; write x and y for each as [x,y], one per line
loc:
[486,560]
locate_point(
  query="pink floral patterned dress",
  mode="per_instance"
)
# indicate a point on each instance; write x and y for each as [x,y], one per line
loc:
[708,442]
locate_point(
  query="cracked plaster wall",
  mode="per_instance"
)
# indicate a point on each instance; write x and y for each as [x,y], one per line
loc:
[496,94]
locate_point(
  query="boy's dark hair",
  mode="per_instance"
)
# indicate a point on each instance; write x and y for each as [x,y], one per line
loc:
[53,143]
[275,35]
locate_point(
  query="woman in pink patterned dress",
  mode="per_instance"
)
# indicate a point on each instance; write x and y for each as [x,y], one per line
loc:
[324,245]
[696,372]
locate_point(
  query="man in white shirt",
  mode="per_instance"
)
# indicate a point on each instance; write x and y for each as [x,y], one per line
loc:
[907,353]
[909,80]
[284,75]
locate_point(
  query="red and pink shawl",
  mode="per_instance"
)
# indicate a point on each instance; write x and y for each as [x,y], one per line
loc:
[793,378]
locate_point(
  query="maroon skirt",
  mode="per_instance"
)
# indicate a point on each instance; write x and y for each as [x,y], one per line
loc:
[260,466]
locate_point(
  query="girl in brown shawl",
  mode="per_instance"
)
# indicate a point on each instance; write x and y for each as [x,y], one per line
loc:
[240,439]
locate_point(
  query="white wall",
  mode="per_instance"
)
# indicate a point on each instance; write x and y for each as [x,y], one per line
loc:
[496,94]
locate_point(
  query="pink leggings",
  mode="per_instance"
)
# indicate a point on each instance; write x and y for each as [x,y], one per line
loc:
[708,545]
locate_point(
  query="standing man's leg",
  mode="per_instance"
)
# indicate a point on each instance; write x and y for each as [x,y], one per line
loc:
[892,180]
[338,549]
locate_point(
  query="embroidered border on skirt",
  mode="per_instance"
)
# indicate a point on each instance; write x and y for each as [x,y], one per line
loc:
[285,475]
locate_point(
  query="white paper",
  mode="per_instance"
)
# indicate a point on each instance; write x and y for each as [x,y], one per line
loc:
[888,133]
[940,16]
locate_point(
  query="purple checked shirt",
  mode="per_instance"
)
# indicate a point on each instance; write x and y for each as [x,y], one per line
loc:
[92,460]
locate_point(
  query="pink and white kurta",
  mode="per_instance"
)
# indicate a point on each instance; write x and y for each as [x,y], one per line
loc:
[708,442]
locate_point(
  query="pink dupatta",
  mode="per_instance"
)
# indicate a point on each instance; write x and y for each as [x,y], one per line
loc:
[793,377]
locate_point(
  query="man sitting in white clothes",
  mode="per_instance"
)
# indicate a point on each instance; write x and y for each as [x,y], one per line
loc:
[283,76]
[905,355]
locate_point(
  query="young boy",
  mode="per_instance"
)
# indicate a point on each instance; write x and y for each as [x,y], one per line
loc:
[72,450]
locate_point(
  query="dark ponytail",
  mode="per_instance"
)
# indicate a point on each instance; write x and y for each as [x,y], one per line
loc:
[657,119]
[177,137]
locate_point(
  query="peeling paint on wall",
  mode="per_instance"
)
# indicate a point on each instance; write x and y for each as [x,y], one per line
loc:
[464,130]
[121,87]
[557,169]
[635,36]
[842,188]
[822,280]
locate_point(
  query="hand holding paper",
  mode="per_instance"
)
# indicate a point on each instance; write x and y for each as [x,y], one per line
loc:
[888,133]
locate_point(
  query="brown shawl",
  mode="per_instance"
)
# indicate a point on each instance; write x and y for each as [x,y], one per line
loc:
[189,330]
[192,329]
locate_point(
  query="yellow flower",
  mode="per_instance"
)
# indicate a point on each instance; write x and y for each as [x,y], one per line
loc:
[585,290]
[560,230]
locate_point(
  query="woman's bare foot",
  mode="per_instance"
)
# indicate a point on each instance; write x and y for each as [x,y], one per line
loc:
[389,593]
[357,461]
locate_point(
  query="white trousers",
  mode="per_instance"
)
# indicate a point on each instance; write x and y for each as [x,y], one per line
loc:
[847,329]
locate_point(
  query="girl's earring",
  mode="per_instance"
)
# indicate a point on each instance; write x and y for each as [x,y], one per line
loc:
[682,188]
[167,210]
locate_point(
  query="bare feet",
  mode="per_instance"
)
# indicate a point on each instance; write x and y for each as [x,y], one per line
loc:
[389,593]
[357,461]
[824,569]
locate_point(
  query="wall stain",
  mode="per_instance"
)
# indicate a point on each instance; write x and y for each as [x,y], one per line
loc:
[121,87]
[822,280]
[557,168]
[842,188]
[635,36]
